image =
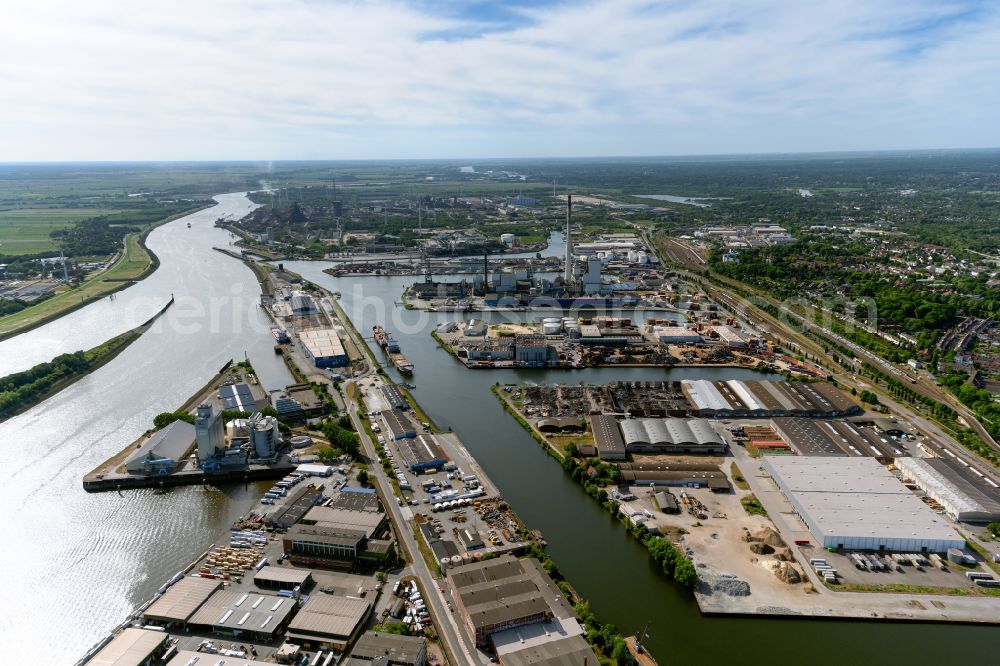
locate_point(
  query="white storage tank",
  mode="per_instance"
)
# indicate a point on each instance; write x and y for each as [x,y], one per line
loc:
[553,328]
[507,239]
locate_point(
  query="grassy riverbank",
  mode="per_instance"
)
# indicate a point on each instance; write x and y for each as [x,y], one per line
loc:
[135,262]
[23,390]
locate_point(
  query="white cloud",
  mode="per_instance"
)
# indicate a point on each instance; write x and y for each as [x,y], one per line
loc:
[292,79]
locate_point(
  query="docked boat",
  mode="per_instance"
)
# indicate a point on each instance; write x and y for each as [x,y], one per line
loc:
[401,363]
[384,339]
[280,335]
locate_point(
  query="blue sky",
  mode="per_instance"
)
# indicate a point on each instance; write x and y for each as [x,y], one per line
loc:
[322,79]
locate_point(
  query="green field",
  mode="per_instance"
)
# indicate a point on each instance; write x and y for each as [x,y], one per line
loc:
[26,230]
[129,266]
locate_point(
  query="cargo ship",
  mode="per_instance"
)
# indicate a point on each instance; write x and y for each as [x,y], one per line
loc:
[401,363]
[280,335]
[384,339]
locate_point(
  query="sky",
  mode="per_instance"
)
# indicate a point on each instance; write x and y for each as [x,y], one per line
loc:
[412,79]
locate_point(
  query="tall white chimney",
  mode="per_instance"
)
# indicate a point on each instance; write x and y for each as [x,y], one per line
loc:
[568,273]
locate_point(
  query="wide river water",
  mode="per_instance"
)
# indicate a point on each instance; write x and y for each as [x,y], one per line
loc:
[77,564]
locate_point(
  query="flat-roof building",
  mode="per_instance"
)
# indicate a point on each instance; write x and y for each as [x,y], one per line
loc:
[727,399]
[131,647]
[503,593]
[398,426]
[568,651]
[686,475]
[163,450]
[951,485]
[181,600]
[282,578]
[394,397]
[421,453]
[357,499]
[192,658]
[607,437]
[675,335]
[323,546]
[256,616]
[389,649]
[812,437]
[323,347]
[329,621]
[856,504]
[369,522]
[293,511]
[238,398]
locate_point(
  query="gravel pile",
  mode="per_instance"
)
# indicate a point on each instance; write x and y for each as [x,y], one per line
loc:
[732,587]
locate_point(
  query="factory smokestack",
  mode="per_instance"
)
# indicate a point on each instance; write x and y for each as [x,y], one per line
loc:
[568,274]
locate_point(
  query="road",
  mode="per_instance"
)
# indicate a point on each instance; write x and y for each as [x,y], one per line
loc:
[454,641]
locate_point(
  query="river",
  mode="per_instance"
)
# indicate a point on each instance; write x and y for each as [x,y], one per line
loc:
[605,565]
[76,564]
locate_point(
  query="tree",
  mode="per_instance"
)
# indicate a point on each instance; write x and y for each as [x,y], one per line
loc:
[163,419]
[363,477]
[328,454]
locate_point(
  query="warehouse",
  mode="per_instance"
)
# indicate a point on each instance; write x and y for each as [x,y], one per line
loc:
[953,487]
[329,547]
[256,616]
[131,647]
[837,438]
[389,650]
[394,397]
[730,336]
[293,511]
[675,335]
[238,398]
[607,437]
[683,475]
[670,435]
[560,425]
[357,499]
[163,451]
[181,600]
[329,621]
[569,651]
[727,399]
[322,346]
[856,504]
[282,578]
[190,658]
[503,593]
[397,426]
[369,522]
[421,453]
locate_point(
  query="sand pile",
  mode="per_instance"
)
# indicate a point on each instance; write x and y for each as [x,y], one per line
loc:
[766,535]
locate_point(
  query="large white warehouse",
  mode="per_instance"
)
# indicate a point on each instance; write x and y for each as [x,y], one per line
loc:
[856,504]
[961,499]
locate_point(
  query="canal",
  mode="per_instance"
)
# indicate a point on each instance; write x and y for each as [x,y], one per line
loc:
[605,565]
